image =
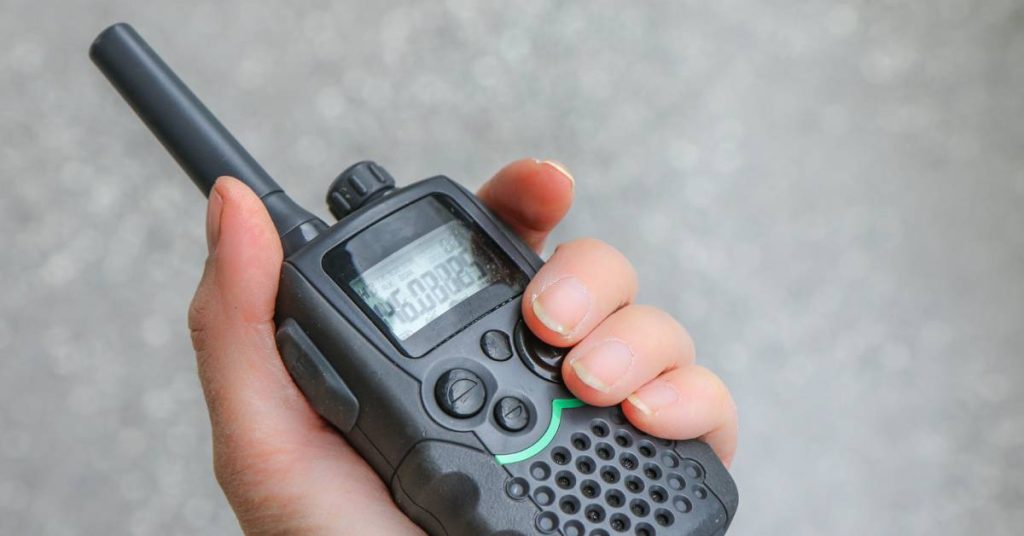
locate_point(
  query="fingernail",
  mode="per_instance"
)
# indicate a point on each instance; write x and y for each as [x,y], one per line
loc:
[654,396]
[562,305]
[561,169]
[213,210]
[604,365]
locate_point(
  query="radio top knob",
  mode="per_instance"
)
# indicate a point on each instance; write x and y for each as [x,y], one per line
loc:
[357,185]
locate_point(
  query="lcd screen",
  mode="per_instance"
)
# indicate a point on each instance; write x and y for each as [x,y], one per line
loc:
[428,277]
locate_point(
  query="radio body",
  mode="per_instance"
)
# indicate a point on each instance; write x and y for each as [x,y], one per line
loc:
[401,324]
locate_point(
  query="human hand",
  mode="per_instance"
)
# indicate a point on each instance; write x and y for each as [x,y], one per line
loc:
[285,470]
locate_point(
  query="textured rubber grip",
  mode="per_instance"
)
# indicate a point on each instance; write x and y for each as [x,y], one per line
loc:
[600,475]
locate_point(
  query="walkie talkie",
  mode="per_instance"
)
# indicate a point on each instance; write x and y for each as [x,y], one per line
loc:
[401,324]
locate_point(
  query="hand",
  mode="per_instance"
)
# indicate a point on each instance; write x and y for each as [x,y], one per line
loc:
[285,470]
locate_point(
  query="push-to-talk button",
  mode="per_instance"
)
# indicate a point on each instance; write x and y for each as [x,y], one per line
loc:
[540,357]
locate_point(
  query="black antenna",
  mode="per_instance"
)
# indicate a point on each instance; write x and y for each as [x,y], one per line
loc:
[193,136]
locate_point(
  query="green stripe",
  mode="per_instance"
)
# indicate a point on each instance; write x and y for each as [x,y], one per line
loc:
[557,406]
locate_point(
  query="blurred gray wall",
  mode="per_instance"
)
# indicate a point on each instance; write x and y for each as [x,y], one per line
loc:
[827,194]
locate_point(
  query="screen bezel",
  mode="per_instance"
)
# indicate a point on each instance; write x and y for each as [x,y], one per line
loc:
[386,236]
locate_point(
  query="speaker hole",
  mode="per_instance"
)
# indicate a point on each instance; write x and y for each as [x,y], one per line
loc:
[580,441]
[693,470]
[565,480]
[639,507]
[544,496]
[561,455]
[547,522]
[590,489]
[573,528]
[585,465]
[663,517]
[569,505]
[676,482]
[614,498]
[610,474]
[540,471]
[634,484]
[658,494]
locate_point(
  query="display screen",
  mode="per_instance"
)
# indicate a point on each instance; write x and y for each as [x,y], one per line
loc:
[426,278]
[424,272]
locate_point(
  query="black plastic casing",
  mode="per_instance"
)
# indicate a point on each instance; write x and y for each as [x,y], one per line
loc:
[597,475]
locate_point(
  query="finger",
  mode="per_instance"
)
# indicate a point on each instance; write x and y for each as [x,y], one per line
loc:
[247,388]
[630,348]
[686,403]
[583,282]
[531,197]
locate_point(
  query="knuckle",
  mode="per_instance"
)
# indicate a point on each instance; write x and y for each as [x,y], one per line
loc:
[714,388]
[652,316]
[243,486]
[595,252]
[197,321]
[595,248]
[660,324]
[199,310]
[241,461]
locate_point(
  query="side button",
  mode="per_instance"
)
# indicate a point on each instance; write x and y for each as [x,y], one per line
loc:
[316,378]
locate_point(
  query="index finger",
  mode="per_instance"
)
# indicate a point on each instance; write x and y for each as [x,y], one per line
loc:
[531,197]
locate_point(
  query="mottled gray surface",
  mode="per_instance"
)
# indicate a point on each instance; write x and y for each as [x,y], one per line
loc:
[827,194]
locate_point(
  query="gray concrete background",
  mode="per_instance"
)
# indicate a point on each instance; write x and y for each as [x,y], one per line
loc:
[827,194]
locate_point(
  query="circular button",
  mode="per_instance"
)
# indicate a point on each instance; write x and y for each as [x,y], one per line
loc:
[460,393]
[512,414]
[540,357]
[495,344]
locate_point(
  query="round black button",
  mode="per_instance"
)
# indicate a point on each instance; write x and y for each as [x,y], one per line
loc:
[496,345]
[460,393]
[512,414]
[356,186]
[540,357]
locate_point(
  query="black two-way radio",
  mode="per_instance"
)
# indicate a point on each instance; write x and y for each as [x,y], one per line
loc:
[401,324]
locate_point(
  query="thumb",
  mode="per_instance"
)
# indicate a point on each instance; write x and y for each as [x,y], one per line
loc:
[531,197]
[248,390]
[245,251]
